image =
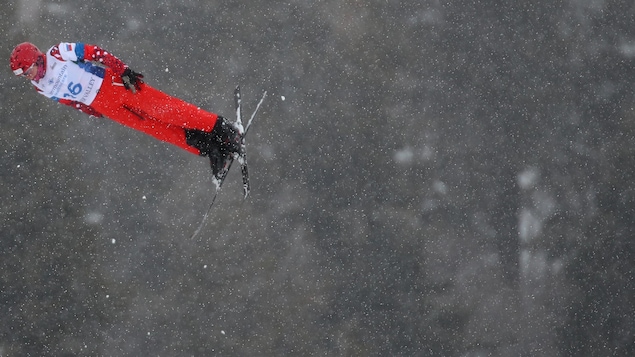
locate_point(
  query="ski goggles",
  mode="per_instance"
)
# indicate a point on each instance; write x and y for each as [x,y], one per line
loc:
[21,72]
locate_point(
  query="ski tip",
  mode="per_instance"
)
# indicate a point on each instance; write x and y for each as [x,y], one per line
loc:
[217,183]
[246,189]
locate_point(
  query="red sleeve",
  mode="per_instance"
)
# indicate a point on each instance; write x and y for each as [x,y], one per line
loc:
[81,107]
[97,54]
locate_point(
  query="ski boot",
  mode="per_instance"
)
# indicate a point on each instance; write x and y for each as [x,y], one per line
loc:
[220,145]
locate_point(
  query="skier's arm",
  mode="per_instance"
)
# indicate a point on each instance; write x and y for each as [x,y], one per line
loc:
[95,53]
[81,107]
[84,52]
[79,52]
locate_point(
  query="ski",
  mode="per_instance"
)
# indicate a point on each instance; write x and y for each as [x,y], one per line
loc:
[241,157]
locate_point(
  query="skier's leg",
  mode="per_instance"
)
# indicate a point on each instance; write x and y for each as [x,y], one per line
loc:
[171,110]
[108,103]
[169,133]
[154,104]
[162,116]
[221,134]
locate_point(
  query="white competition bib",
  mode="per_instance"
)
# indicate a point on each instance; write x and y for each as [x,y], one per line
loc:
[77,81]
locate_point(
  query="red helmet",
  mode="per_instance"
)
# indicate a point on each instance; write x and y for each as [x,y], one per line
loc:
[24,56]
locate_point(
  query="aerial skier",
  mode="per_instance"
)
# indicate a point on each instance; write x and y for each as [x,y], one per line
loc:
[94,81]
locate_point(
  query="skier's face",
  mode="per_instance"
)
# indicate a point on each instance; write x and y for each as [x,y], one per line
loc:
[31,72]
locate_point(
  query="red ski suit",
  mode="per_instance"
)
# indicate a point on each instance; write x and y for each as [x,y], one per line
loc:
[89,79]
[151,111]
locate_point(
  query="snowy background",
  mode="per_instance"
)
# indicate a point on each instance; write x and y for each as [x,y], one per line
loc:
[430,178]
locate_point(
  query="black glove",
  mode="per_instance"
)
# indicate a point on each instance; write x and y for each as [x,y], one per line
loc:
[132,80]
